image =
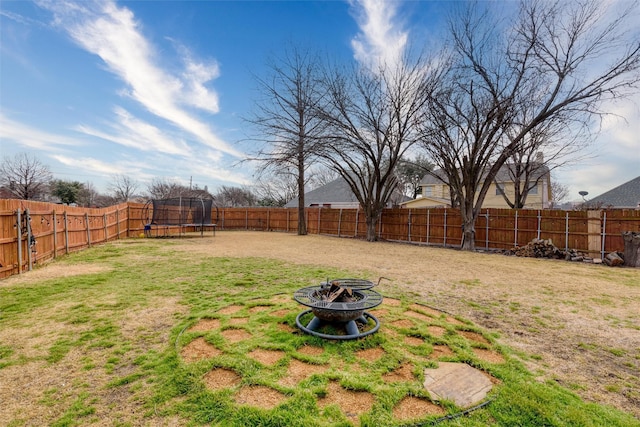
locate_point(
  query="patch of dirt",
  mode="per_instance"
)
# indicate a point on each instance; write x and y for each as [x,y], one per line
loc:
[413,408]
[280,313]
[259,308]
[474,336]
[380,313]
[150,326]
[392,302]
[351,403]
[238,321]
[286,328]
[281,298]
[235,335]
[440,351]
[436,331]
[298,371]
[310,350]
[413,341]
[220,378]
[454,321]
[231,309]
[259,396]
[403,323]
[401,374]
[53,270]
[204,325]
[417,315]
[488,355]
[370,354]
[198,349]
[428,310]
[266,357]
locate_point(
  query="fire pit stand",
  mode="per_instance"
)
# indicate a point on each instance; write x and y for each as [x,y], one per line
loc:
[337,313]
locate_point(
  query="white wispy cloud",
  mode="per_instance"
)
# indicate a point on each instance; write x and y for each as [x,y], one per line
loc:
[138,134]
[382,39]
[112,32]
[28,137]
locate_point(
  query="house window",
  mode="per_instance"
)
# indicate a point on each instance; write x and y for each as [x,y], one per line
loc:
[427,191]
[533,189]
[499,189]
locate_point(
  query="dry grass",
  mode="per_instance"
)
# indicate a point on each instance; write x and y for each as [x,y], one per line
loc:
[578,324]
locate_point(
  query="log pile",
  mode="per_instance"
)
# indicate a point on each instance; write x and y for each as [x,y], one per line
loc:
[336,293]
[540,248]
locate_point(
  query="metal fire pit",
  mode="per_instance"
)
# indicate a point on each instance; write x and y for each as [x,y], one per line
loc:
[339,314]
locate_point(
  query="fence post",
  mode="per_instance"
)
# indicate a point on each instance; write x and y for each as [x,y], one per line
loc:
[486,238]
[86,218]
[428,224]
[604,233]
[409,227]
[118,223]
[246,218]
[55,234]
[27,219]
[357,216]
[106,231]
[288,220]
[594,229]
[339,221]
[566,231]
[445,228]
[19,229]
[319,220]
[515,231]
[268,218]
[539,223]
[66,233]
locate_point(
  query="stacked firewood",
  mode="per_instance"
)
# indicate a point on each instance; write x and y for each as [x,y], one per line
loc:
[337,293]
[539,248]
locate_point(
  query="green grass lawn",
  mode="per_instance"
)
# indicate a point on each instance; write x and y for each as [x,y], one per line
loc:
[107,345]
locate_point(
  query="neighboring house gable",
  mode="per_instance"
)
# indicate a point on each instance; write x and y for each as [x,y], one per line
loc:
[626,195]
[435,191]
[336,194]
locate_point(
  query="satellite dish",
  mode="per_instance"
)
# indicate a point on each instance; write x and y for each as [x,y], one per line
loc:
[583,193]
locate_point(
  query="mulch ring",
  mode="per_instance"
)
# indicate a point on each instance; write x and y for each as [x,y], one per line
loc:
[419,330]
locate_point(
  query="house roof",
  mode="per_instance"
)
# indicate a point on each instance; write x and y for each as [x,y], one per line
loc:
[439,177]
[336,191]
[626,195]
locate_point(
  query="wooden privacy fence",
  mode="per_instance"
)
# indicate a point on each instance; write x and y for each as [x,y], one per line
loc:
[34,232]
[595,232]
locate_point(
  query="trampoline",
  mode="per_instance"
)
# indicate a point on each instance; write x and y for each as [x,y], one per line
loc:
[181,212]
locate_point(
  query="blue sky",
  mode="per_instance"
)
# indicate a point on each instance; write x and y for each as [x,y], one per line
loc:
[159,89]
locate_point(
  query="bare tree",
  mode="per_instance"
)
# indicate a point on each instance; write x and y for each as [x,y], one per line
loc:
[559,193]
[122,188]
[410,173]
[287,120]
[235,197]
[24,176]
[165,189]
[372,118]
[321,175]
[549,60]
[276,189]
[88,196]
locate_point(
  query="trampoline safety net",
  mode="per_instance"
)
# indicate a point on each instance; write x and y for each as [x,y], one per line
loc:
[182,211]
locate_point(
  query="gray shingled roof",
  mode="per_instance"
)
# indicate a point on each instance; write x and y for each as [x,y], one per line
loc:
[336,191]
[626,195]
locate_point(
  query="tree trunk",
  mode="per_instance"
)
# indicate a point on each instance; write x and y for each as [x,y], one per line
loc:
[631,249]
[302,224]
[468,228]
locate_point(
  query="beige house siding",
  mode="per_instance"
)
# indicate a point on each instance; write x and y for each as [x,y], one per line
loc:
[437,195]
